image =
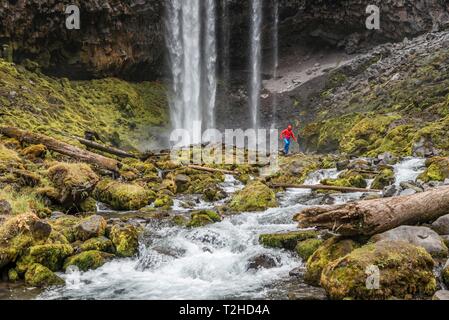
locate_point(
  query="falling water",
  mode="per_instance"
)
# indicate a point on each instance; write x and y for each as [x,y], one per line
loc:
[256,60]
[193,68]
[225,39]
[275,55]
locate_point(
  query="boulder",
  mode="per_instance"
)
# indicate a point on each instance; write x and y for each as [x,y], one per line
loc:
[307,247]
[405,270]
[329,251]
[125,239]
[99,244]
[437,169]
[91,227]
[419,236]
[383,179]
[441,225]
[441,295]
[38,275]
[66,225]
[203,218]
[256,196]
[50,256]
[287,240]
[88,260]
[182,182]
[41,230]
[123,196]
[262,261]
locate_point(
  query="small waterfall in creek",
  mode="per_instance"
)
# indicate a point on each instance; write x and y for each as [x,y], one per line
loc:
[192,61]
[255,60]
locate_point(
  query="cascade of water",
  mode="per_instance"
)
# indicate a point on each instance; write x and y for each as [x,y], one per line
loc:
[225,39]
[210,57]
[275,38]
[193,67]
[255,60]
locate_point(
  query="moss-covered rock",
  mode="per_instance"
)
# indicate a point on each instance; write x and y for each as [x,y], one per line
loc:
[125,239]
[287,240]
[35,151]
[202,218]
[256,196]
[13,275]
[180,220]
[437,169]
[163,201]
[66,225]
[91,227]
[329,251]
[123,196]
[405,270]
[88,205]
[74,181]
[349,180]
[308,247]
[99,244]
[383,179]
[40,276]
[88,260]
[51,256]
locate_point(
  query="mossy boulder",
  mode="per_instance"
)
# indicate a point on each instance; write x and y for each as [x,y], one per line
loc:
[256,196]
[38,275]
[51,256]
[356,181]
[163,201]
[35,151]
[329,251]
[203,218]
[180,220]
[91,227]
[307,247]
[437,170]
[383,179]
[287,240]
[74,181]
[88,205]
[123,196]
[88,260]
[99,244]
[405,271]
[125,239]
[66,225]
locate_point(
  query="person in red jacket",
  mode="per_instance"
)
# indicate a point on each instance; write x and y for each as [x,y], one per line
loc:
[287,135]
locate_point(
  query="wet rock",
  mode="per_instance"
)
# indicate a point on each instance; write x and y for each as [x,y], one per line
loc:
[40,276]
[441,225]
[5,207]
[125,239]
[256,196]
[91,227]
[297,272]
[287,240]
[307,247]
[342,165]
[50,256]
[411,185]
[88,260]
[437,169]
[202,218]
[99,244]
[390,191]
[214,193]
[405,271]
[441,295]
[383,179]
[262,261]
[419,236]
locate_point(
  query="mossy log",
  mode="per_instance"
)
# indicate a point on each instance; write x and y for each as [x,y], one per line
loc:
[61,147]
[322,187]
[101,147]
[370,217]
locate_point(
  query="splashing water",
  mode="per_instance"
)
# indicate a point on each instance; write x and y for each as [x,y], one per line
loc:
[255,60]
[409,169]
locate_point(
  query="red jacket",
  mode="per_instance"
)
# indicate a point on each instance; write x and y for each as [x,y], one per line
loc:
[288,134]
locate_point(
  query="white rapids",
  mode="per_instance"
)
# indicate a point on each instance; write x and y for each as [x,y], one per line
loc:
[209,262]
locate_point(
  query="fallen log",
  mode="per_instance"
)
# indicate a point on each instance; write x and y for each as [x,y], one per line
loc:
[322,187]
[62,147]
[369,217]
[110,150]
[192,166]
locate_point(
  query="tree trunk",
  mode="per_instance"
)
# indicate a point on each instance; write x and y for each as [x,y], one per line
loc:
[322,187]
[62,147]
[370,217]
[110,150]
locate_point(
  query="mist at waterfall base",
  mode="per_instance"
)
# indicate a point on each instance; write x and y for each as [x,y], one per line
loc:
[211,262]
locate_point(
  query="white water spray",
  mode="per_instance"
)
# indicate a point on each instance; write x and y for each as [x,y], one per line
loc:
[256,60]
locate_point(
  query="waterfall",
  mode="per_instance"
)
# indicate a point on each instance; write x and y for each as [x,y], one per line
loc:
[255,60]
[225,39]
[193,67]
[275,38]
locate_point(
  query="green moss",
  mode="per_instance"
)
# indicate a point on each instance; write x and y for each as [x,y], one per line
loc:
[88,205]
[88,260]
[180,220]
[202,218]
[256,196]
[67,226]
[39,276]
[356,181]
[437,169]
[125,239]
[307,247]
[287,240]
[98,244]
[24,202]
[35,151]
[13,276]
[163,201]
[385,178]
[49,255]
[405,270]
[123,196]
[329,251]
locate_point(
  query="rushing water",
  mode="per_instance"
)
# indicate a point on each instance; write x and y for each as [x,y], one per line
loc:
[209,262]
[191,44]
[255,60]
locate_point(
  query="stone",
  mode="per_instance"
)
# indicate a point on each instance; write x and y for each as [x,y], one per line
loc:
[91,227]
[88,260]
[441,225]
[100,244]
[441,295]
[390,191]
[39,276]
[287,240]
[41,230]
[419,236]
[125,239]
[5,207]
[262,261]
[256,196]
[182,182]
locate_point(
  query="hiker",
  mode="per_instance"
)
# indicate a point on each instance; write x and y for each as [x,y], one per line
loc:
[287,135]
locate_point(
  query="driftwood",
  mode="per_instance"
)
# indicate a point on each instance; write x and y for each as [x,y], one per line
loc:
[110,150]
[192,166]
[322,187]
[62,147]
[369,217]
